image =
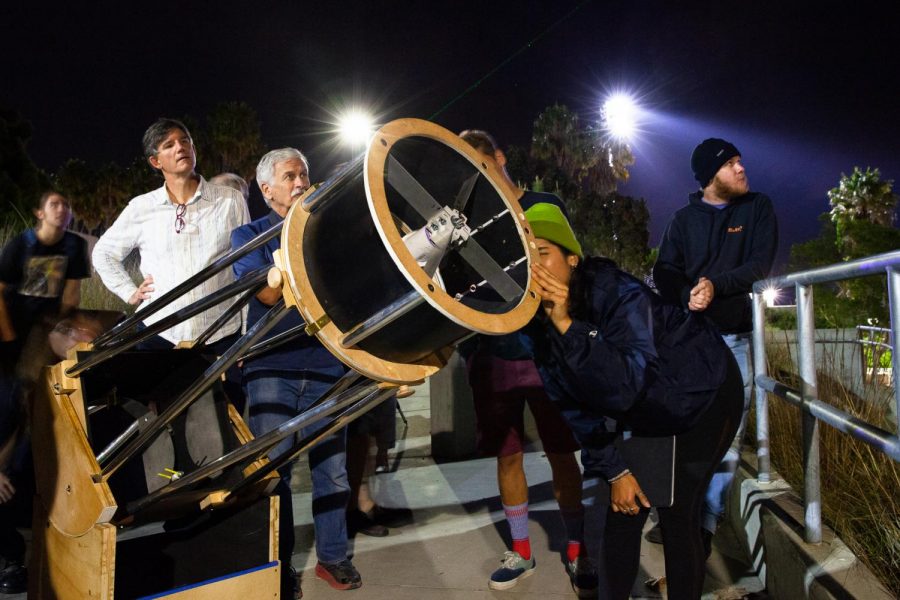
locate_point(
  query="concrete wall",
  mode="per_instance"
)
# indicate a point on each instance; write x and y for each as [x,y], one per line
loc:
[452,412]
[768,519]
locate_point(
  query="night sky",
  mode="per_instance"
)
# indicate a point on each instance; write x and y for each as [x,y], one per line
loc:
[805,92]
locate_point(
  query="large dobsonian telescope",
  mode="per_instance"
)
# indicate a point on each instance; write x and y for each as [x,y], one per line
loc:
[150,484]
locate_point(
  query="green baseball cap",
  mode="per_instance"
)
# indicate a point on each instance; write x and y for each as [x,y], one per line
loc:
[548,222]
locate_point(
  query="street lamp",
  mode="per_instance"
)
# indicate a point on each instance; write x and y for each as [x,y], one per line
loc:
[355,128]
[620,117]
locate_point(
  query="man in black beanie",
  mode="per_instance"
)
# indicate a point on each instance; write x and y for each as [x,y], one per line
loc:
[711,253]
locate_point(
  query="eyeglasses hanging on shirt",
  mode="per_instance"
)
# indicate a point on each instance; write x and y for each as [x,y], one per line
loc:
[179,217]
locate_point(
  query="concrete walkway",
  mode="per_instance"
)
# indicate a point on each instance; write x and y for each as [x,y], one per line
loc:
[458,533]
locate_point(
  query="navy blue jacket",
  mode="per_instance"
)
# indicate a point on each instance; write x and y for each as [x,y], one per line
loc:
[303,353]
[732,246]
[651,366]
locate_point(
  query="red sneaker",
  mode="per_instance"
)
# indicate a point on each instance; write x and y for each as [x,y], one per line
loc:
[340,576]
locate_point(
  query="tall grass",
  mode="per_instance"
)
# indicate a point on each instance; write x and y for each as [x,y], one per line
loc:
[95,295]
[7,230]
[861,486]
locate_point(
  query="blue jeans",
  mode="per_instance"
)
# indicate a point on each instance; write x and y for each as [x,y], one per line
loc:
[277,397]
[717,493]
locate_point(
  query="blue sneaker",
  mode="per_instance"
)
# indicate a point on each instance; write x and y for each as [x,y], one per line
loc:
[513,568]
[583,575]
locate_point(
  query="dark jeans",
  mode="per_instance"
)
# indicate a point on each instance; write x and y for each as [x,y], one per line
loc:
[697,454]
[277,397]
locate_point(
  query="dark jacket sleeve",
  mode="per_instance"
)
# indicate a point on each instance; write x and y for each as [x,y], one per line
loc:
[762,253]
[603,460]
[594,432]
[669,273]
[607,367]
[249,262]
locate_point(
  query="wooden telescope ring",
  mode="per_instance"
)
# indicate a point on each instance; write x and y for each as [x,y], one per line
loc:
[335,290]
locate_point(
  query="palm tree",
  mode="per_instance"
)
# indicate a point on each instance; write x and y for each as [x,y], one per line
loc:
[863,196]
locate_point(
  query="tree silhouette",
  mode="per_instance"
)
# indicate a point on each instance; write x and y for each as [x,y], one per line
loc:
[576,162]
[21,181]
[861,197]
[78,182]
[231,141]
[859,224]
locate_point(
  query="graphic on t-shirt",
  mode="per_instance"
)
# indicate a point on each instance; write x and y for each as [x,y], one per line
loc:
[44,276]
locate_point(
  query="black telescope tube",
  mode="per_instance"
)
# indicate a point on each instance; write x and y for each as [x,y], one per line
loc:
[317,198]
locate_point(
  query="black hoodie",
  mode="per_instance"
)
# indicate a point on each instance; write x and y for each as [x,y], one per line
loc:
[732,246]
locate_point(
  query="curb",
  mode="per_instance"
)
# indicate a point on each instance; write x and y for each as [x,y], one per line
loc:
[768,519]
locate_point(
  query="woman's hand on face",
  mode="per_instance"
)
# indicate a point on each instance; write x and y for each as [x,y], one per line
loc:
[554,296]
[626,497]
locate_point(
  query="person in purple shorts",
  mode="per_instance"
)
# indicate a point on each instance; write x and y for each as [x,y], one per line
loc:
[504,378]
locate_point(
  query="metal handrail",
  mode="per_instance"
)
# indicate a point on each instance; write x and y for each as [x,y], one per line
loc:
[887,345]
[812,409]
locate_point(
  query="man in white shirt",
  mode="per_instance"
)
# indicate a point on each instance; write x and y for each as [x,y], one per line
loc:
[178,229]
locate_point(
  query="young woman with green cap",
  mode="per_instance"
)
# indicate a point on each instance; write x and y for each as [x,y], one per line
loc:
[611,348]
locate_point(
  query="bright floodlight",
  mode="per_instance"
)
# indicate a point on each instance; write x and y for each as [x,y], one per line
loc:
[355,128]
[620,116]
[770,295]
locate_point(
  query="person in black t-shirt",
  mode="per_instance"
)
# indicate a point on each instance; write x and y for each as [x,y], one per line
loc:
[40,271]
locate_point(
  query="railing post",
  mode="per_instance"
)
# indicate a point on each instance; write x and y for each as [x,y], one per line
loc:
[806,343]
[763,467]
[893,281]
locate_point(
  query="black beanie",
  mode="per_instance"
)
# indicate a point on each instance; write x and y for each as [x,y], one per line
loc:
[709,156]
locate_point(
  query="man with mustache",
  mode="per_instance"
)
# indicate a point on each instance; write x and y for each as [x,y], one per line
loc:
[288,379]
[711,253]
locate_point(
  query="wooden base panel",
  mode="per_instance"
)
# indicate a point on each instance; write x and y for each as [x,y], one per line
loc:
[261,584]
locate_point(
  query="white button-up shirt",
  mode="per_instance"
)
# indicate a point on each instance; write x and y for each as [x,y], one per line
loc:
[148,224]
